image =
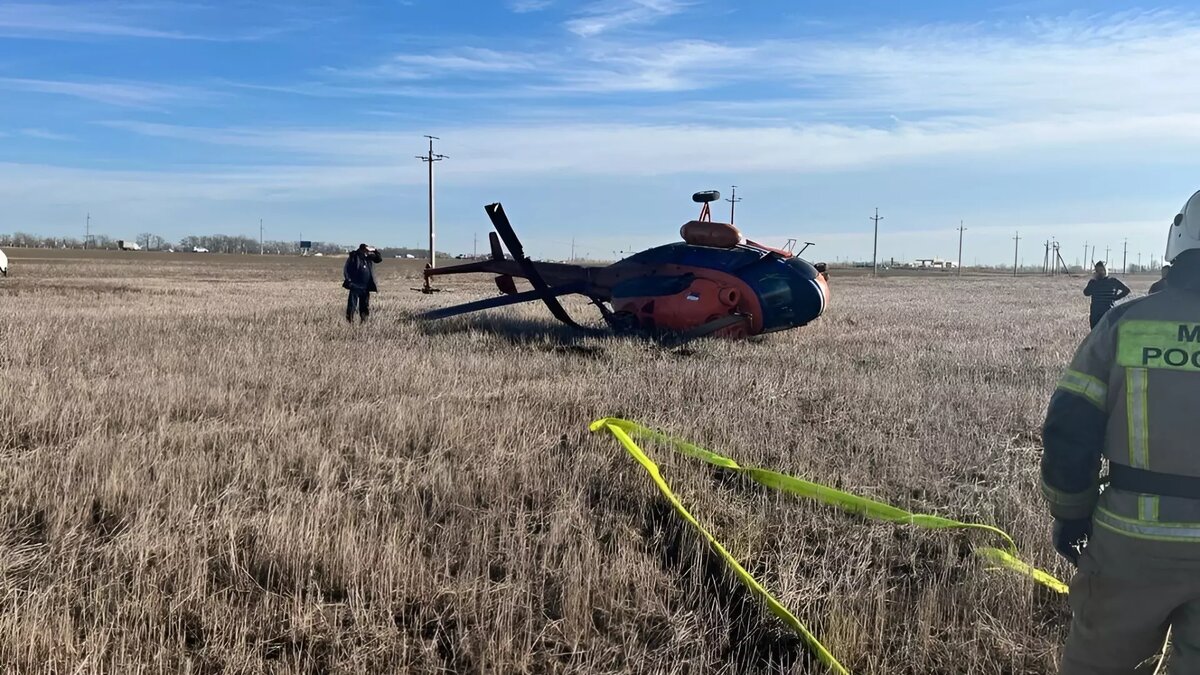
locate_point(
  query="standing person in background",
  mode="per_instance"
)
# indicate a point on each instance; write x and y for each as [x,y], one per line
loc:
[1105,291]
[358,276]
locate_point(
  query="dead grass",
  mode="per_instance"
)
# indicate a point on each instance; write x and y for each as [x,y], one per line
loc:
[205,469]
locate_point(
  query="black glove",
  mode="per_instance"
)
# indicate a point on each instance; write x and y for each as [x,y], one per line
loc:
[345,283]
[1070,537]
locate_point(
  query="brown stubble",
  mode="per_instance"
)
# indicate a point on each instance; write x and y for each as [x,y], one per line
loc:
[205,468]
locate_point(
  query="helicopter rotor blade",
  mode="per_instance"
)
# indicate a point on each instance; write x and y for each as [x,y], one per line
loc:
[505,229]
[501,301]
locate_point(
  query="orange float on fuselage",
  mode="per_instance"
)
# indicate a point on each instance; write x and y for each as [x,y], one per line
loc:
[709,233]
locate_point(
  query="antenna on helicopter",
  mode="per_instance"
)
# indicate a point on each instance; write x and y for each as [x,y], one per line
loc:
[705,197]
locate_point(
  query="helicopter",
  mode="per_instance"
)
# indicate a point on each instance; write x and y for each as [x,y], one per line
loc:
[713,283]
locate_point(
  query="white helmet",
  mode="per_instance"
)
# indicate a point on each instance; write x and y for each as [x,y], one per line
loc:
[1185,231]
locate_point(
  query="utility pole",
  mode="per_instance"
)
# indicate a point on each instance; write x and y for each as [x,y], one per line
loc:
[875,250]
[1106,260]
[260,237]
[87,230]
[960,235]
[573,245]
[1016,247]
[475,246]
[733,200]
[1046,259]
[1124,257]
[1085,255]
[1140,270]
[430,158]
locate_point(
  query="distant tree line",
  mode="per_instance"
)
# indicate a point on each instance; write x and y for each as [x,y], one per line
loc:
[215,243]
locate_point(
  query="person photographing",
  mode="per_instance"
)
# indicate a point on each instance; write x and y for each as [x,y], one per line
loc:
[358,277]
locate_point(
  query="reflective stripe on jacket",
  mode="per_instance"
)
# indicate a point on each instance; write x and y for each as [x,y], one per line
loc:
[1129,395]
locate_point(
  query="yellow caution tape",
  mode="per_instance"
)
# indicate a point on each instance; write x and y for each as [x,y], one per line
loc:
[623,430]
[776,608]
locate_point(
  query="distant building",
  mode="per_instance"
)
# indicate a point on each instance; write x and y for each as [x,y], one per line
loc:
[934,263]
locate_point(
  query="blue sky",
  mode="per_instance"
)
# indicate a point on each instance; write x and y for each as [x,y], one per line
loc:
[595,120]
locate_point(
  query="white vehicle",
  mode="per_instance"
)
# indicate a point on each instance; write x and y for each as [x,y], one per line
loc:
[199,249]
[128,245]
[3,264]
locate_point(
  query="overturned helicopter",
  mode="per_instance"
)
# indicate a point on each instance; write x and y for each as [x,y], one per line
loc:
[714,282]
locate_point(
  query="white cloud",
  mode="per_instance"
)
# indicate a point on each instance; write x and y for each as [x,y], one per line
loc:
[125,94]
[526,6]
[672,66]
[465,60]
[1129,61]
[50,20]
[608,15]
[45,135]
[625,149]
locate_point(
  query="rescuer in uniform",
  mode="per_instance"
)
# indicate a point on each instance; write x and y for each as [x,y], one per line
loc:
[1130,396]
[358,276]
[1104,291]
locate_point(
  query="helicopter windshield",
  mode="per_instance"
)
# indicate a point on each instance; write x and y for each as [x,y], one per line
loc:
[787,290]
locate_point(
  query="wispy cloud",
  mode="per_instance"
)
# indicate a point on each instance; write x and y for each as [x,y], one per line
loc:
[1125,61]
[124,94]
[671,66]
[609,15]
[526,6]
[625,149]
[45,135]
[462,61]
[45,19]
[73,20]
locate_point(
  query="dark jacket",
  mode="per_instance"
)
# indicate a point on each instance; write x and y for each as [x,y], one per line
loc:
[359,271]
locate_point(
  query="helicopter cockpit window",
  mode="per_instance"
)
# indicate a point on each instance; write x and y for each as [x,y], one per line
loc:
[785,291]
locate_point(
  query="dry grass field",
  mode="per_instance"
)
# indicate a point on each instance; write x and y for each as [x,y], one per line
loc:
[205,469]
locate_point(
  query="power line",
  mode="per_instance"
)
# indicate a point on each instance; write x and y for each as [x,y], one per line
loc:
[733,200]
[1016,247]
[960,238]
[430,158]
[875,250]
